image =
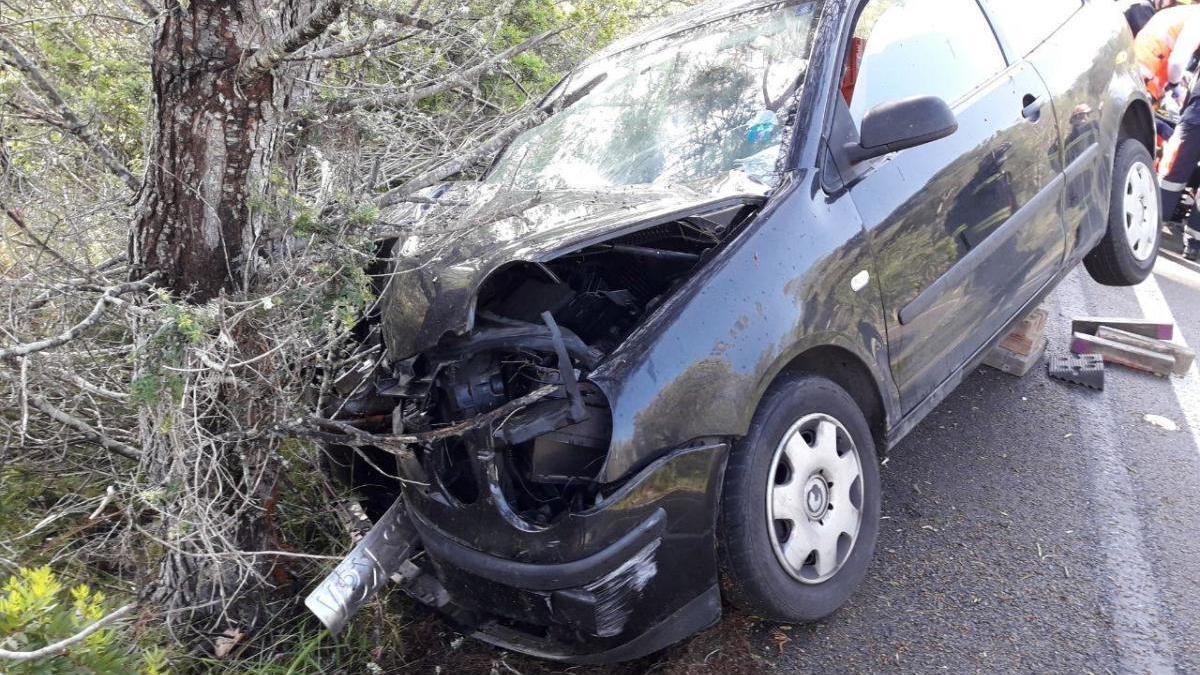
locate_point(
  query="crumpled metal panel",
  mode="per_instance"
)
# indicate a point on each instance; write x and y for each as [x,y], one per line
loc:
[365,570]
[445,251]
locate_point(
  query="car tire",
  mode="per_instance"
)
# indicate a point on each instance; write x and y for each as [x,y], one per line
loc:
[760,549]
[1129,249]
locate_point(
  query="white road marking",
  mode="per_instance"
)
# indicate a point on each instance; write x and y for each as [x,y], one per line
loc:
[1139,630]
[1154,306]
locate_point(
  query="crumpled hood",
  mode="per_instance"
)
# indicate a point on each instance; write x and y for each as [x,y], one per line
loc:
[452,236]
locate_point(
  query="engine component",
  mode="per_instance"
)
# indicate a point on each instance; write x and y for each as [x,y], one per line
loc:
[473,387]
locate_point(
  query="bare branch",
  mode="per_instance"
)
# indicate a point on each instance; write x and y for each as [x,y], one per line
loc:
[355,437]
[54,648]
[19,221]
[266,59]
[457,79]
[463,161]
[488,149]
[72,332]
[75,126]
[89,432]
[354,47]
[397,17]
[149,9]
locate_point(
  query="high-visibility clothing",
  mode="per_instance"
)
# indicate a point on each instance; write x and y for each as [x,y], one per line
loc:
[1165,46]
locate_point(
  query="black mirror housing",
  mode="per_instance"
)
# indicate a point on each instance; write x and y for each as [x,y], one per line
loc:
[902,124]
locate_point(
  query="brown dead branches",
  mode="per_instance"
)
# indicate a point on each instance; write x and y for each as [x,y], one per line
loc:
[107,298]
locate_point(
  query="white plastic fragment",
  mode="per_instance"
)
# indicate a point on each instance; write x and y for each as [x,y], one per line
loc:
[1161,422]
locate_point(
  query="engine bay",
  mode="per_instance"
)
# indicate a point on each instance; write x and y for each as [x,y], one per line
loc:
[539,330]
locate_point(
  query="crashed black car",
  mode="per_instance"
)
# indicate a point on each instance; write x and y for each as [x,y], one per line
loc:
[654,356]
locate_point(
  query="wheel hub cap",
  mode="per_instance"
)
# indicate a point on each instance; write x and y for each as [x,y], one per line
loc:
[1141,211]
[814,499]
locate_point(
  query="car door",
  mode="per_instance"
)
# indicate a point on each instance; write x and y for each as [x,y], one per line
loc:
[1076,47]
[967,229]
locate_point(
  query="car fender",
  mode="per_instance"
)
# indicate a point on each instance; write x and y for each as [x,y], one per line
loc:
[798,277]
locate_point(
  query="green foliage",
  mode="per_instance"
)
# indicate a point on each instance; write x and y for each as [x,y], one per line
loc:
[18,489]
[102,74]
[182,326]
[37,610]
[595,23]
[346,296]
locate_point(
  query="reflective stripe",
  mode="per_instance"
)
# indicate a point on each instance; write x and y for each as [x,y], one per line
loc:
[1171,187]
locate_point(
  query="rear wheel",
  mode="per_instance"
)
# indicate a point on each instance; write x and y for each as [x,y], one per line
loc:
[1129,249]
[800,512]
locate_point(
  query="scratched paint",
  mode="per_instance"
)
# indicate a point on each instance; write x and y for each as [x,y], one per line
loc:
[617,592]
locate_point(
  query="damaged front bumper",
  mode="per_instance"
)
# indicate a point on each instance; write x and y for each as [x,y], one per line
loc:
[629,576]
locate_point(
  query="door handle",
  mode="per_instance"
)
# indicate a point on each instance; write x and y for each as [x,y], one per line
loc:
[1032,109]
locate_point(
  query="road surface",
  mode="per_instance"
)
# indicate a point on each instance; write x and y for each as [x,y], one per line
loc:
[1029,526]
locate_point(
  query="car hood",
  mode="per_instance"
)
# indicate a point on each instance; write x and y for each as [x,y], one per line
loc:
[451,237]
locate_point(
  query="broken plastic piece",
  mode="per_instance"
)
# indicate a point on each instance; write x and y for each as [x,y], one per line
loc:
[566,370]
[1083,369]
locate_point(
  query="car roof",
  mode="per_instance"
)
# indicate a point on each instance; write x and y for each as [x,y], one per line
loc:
[703,13]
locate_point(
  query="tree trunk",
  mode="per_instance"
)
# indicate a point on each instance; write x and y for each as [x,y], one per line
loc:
[203,222]
[201,215]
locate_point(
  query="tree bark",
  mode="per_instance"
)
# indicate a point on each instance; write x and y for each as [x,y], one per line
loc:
[222,87]
[201,217]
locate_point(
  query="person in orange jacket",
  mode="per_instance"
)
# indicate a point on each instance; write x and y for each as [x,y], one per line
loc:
[1139,12]
[1164,49]
[1165,46]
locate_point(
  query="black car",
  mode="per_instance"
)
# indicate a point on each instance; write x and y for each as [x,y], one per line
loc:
[654,357]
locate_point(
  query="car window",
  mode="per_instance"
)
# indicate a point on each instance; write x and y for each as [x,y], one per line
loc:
[904,48]
[1025,24]
[694,107]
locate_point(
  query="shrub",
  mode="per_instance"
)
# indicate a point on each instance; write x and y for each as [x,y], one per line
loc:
[37,610]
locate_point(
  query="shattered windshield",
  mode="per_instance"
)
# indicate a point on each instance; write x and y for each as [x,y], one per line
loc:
[692,106]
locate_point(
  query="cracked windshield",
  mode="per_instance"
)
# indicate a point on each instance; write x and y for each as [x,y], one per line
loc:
[694,106]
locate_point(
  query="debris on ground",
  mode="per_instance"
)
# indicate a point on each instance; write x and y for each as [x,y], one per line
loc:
[1086,370]
[1022,347]
[1155,330]
[1161,422]
[1124,354]
[1183,356]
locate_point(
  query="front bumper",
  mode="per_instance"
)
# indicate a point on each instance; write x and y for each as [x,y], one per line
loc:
[623,579]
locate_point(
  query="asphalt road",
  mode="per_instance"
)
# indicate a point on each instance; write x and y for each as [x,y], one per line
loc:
[1030,526]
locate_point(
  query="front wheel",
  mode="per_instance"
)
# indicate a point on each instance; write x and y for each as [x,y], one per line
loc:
[1129,249]
[800,512]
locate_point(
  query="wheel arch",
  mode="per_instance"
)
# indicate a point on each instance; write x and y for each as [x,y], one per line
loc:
[845,369]
[1138,123]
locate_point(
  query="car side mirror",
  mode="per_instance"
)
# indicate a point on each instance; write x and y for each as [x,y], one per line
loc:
[899,125]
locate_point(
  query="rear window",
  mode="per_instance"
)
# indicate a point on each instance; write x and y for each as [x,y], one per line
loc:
[1025,24]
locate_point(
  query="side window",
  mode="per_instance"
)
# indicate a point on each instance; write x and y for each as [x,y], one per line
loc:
[1025,24]
[903,48]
